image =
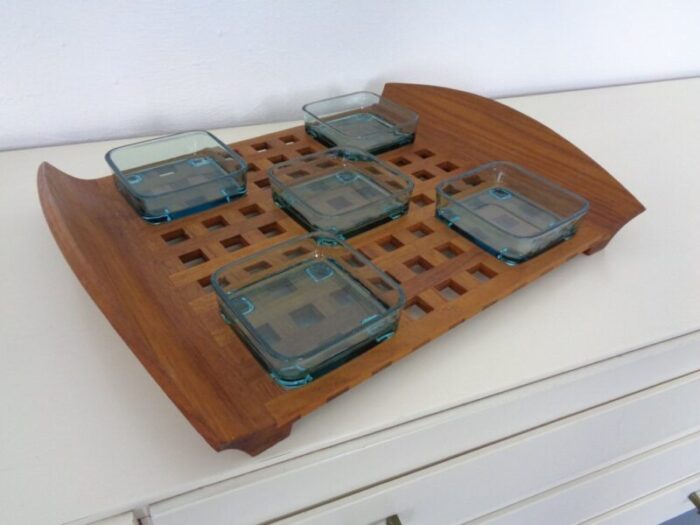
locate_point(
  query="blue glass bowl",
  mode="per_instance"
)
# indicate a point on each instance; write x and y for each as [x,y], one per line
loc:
[362,120]
[509,211]
[307,305]
[342,190]
[170,177]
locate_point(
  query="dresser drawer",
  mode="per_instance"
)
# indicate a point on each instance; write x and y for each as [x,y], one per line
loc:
[608,488]
[331,473]
[472,485]
[667,503]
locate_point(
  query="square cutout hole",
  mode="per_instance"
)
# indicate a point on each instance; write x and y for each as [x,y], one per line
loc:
[233,244]
[474,180]
[390,244]
[353,261]
[306,150]
[425,153]
[449,250]
[175,236]
[326,164]
[417,309]
[421,200]
[450,190]
[339,202]
[263,183]
[423,175]
[447,166]
[381,284]
[289,139]
[268,333]
[193,258]
[418,265]
[306,316]
[482,273]
[297,174]
[296,252]
[252,167]
[420,230]
[260,146]
[251,211]
[215,223]
[401,161]
[271,230]
[279,289]
[205,283]
[450,290]
[276,159]
[342,296]
[258,267]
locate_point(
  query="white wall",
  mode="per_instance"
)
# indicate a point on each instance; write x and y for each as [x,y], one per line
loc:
[80,70]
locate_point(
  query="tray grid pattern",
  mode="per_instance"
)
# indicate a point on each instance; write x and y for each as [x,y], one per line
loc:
[434,264]
[153,281]
[440,271]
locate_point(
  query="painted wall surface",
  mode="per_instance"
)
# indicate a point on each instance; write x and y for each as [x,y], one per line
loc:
[81,70]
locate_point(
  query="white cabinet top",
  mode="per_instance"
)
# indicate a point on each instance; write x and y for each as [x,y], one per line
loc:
[86,432]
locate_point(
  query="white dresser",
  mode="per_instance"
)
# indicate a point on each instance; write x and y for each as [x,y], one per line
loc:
[575,400]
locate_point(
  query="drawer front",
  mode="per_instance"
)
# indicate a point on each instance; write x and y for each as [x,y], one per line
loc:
[475,484]
[331,473]
[667,503]
[608,488]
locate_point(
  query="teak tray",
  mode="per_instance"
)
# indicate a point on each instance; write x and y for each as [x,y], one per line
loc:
[152,282]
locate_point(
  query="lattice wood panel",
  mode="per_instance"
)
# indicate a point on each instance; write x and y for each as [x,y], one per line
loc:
[153,282]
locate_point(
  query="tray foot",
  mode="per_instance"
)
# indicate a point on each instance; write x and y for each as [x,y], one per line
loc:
[261,441]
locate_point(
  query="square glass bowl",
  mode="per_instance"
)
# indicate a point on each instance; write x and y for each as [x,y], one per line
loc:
[307,305]
[509,211]
[341,190]
[362,120]
[170,177]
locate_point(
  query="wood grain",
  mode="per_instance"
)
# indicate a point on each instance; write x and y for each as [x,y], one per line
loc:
[152,282]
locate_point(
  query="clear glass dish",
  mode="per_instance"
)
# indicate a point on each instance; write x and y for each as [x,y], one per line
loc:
[362,120]
[342,190]
[169,177]
[509,211]
[307,305]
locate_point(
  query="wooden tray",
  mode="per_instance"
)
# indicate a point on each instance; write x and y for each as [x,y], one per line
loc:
[152,282]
